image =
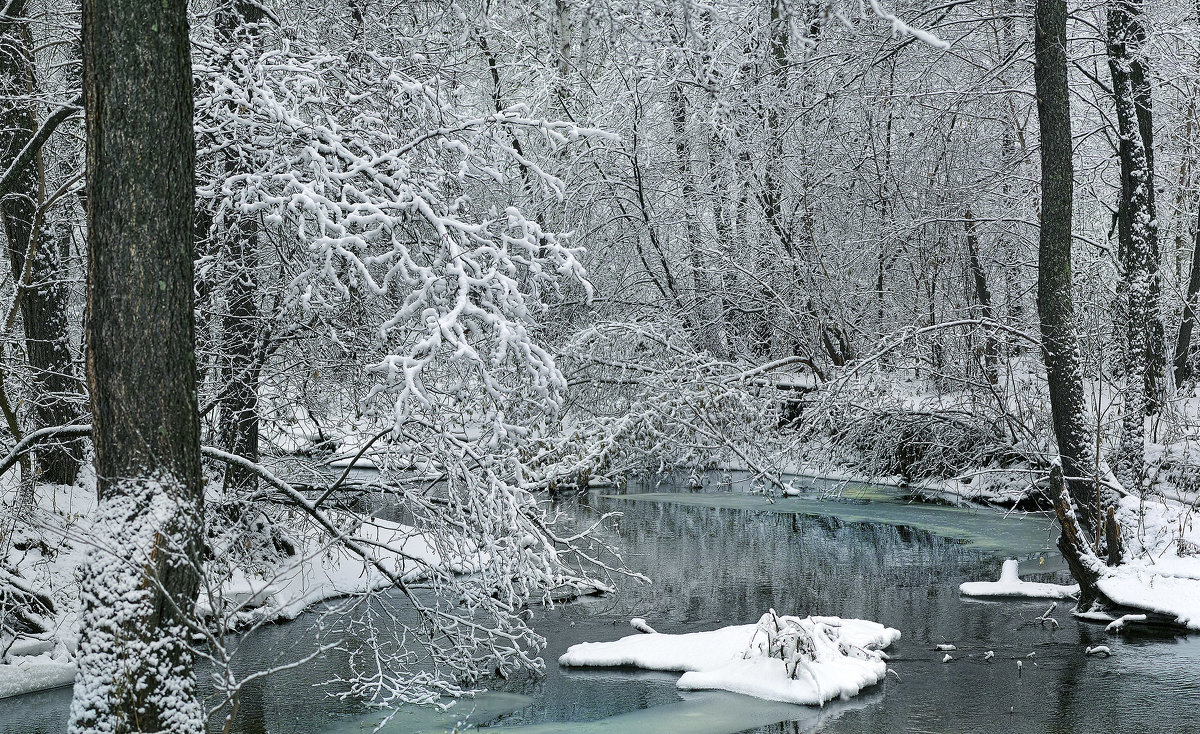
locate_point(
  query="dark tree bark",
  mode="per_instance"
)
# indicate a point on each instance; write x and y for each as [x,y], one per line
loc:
[140,581]
[1183,344]
[1060,344]
[37,254]
[1138,233]
[239,355]
[983,295]
[1073,544]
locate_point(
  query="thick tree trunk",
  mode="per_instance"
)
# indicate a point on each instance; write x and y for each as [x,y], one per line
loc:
[37,254]
[140,580]
[1060,344]
[1138,234]
[1084,565]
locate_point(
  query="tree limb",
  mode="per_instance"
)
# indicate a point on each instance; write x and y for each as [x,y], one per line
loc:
[38,140]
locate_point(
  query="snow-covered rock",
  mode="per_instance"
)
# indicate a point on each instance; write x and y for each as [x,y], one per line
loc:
[1010,584]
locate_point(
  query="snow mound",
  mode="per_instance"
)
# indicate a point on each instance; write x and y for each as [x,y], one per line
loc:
[782,658]
[1010,584]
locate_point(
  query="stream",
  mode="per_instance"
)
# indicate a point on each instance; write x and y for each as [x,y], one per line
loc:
[720,557]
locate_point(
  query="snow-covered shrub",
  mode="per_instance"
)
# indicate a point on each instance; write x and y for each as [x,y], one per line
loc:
[799,642]
[922,445]
[642,400]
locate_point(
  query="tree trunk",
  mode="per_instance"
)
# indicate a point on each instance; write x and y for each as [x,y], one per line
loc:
[37,255]
[1060,345]
[240,363]
[1138,235]
[239,358]
[1183,344]
[983,295]
[704,310]
[140,579]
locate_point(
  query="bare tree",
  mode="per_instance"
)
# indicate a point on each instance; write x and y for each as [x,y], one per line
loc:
[37,252]
[1060,344]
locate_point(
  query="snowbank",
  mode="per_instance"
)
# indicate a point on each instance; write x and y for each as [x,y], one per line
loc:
[786,659]
[35,673]
[321,571]
[1010,584]
[1176,597]
[1160,574]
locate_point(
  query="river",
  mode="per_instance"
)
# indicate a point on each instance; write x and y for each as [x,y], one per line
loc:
[718,558]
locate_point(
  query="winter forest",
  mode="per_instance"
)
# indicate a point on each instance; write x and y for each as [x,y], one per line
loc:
[599,365]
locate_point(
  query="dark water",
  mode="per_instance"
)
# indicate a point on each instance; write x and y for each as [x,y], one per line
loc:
[722,559]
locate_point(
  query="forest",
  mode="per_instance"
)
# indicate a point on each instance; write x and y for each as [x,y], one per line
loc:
[392,349]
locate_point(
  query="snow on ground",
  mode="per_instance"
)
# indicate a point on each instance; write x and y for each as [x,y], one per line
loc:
[782,658]
[1161,571]
[1138,588]
[1010,584]
[30,673]
[47,550]
[323,570]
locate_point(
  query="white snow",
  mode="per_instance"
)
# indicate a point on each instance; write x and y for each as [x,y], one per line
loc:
[1139,588]
[27,674]
[642,626]
[322,571]
[1119,624]
[1161,569]
[1010,584]
[782,658]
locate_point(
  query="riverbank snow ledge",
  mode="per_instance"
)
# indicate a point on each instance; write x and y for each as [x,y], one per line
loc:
[35,673]
[1010,584]
[782,658]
